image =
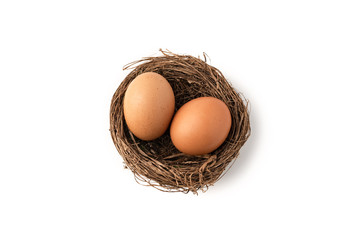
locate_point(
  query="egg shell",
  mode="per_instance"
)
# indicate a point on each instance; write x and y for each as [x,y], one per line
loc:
[200,126]
[148,105]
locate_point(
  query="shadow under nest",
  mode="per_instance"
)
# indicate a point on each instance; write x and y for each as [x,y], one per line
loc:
[158,163]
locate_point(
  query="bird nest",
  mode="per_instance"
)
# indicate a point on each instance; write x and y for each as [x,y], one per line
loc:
[158,163]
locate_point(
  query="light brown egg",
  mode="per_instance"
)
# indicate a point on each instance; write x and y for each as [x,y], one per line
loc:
[200,126]
[149,105]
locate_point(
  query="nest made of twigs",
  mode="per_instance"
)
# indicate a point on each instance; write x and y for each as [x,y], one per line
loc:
[158,163]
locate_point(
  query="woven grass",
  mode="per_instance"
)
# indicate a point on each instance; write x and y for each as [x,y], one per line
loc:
[158,163]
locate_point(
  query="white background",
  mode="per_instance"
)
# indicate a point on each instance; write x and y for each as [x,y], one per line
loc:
[60,174]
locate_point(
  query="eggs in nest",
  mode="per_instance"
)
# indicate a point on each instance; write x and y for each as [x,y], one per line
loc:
[200,126]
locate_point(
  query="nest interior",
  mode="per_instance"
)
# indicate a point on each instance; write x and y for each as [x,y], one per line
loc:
[158,163]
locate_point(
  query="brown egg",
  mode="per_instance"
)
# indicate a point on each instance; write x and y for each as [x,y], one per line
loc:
[149,105]
[200,126]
